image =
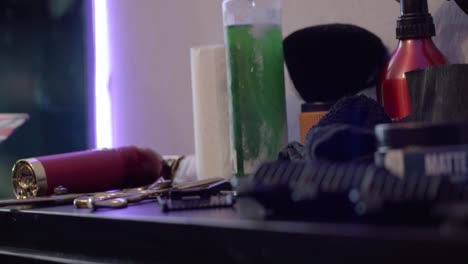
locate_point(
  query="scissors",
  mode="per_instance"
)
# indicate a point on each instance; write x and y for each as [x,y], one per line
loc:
[111,199]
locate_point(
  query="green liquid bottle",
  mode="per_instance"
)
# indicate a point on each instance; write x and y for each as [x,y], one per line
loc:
[254,46]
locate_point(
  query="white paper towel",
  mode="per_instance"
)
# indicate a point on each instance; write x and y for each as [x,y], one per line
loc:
[211,115]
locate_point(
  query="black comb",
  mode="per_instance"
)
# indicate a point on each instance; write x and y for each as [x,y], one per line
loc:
[349,190]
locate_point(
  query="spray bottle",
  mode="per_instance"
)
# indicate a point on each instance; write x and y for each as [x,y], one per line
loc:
[415,29]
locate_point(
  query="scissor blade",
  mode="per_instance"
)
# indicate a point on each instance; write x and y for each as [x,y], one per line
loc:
[200,183]
[68,198]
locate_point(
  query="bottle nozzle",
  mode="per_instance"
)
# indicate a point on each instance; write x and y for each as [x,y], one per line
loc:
[414,7]
[415,20]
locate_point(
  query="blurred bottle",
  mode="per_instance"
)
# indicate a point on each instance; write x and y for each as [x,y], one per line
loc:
[415,50]
[254,47]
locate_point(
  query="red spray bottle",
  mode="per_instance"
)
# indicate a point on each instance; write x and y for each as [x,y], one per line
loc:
[415,29]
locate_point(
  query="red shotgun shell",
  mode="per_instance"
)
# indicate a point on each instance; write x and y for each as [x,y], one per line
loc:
[86,171]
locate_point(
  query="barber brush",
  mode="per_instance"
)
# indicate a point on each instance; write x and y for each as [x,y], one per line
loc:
[328,62]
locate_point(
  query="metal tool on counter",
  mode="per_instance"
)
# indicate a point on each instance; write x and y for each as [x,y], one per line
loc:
[217,201]
[216,195]
[121,199]
[112,199]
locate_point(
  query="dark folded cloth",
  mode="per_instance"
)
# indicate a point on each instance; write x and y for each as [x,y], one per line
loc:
[358,110]
[341,143]
[344,134]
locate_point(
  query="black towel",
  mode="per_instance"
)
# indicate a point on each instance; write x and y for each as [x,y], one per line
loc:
[344,134]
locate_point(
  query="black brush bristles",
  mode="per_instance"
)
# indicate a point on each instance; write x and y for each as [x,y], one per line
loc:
[328,62]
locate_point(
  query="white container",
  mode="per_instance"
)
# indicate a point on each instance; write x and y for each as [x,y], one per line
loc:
[210,108]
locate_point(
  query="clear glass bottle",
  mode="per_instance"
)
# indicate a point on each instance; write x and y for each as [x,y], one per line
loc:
[254,47]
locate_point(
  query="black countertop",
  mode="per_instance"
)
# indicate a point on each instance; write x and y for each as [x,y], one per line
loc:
[142,233]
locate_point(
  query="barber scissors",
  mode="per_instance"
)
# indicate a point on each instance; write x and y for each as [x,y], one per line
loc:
[111,199]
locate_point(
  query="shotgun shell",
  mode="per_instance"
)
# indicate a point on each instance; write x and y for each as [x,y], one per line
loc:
[86,171]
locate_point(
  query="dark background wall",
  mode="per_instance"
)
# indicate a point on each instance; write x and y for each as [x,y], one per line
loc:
[42,73]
